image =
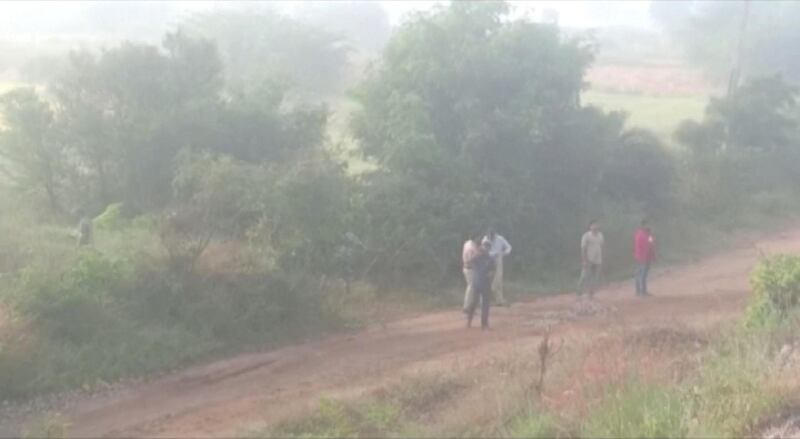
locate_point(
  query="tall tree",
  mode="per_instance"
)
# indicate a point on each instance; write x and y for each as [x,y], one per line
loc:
[34,156]
[127,112]
[473,119]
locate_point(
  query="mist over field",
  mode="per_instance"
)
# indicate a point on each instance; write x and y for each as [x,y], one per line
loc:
[241,218]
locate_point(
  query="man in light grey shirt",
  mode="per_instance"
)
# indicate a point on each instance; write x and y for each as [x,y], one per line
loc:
[591,259]
[498,249]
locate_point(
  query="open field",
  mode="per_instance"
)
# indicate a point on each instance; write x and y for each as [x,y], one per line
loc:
[661,114]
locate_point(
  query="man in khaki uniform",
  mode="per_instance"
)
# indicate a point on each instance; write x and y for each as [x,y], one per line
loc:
[470,250]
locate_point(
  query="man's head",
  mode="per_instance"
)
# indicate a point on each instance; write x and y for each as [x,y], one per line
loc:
[594,226]
[476,237]
[491,232]
[645,224]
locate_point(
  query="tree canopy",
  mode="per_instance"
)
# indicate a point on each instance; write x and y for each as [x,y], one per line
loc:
[475,119]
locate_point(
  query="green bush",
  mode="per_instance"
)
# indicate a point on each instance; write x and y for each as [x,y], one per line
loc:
[111,218]
[73,305]
[102,318]
[776,290]
[640,171]
[730,396]
[639,410]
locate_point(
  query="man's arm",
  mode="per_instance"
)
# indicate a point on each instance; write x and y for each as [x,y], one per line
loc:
[652,242]
[506,246]
[584,248]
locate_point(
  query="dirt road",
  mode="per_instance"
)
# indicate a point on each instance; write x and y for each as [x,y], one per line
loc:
[221,398]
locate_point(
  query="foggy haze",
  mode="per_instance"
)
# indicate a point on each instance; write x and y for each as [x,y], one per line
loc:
[146,19]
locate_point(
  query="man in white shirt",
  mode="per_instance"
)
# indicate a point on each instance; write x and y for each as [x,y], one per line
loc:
[499,248]
[591,259]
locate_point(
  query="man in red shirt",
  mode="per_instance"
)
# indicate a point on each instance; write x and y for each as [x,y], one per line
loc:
[644,253]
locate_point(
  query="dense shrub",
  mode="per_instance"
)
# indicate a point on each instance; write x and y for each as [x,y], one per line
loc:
[776,290]
[640,171]
[111,218]
[103,317]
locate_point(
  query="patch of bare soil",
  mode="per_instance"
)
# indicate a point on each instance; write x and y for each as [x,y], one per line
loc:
[666,339]
[650,79]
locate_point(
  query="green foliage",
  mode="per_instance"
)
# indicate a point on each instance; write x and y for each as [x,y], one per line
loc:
[756,117]
[392,411]
[31,153]
[639,171]
[72,305]
[746,145]
[338,419]
[296,215]
[111,218]
[639,410]
[125,114]
[730,396]
[531,424]
[313,189]
[470,115]
[776,290]
[96,318]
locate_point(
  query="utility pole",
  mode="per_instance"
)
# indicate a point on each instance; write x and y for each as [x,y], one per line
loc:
[736,73]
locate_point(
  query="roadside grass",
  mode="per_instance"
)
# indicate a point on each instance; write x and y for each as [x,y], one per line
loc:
[739,384]
[730,394]
[398,410]
[46,426]
[638,409]
[532,423]
[735,390]
[661,114]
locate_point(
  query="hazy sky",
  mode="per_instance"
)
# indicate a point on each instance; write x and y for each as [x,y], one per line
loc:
[26,18]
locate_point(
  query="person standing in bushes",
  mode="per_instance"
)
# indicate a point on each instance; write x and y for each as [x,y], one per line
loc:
[645,254]
[470,250]
[592,243]
[85,230]
[482,273]
[498,249]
